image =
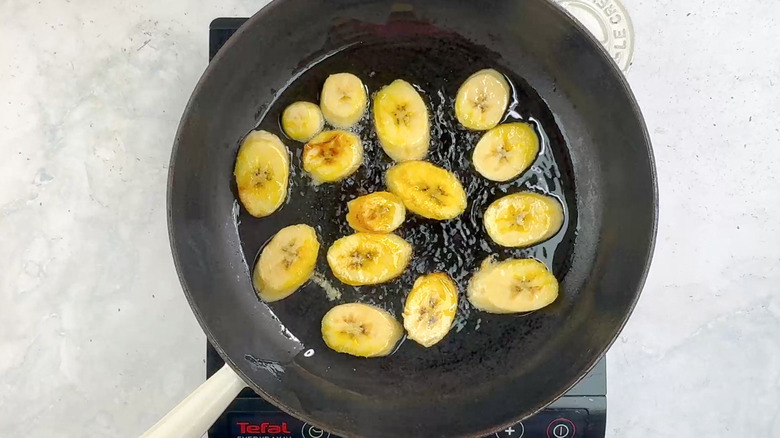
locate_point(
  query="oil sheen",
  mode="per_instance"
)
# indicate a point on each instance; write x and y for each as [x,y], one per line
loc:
[455,246]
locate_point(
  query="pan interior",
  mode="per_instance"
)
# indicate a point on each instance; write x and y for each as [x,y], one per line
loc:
[436,65]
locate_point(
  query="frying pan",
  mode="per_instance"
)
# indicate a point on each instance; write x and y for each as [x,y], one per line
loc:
[494,370]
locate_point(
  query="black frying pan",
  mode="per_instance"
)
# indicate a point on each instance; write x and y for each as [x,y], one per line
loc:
[494,370]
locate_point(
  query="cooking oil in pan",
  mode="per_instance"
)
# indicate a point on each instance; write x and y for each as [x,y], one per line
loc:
[455,246]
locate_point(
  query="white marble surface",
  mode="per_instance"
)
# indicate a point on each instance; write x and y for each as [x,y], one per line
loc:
[96,338]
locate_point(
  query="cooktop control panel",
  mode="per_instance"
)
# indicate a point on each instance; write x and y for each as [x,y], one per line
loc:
[245,422]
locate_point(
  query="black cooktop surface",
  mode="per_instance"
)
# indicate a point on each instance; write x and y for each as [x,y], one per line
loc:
[580,413]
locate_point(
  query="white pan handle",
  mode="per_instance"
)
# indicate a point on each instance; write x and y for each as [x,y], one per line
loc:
[195,414]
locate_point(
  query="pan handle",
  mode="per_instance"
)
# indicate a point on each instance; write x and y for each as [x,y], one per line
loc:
[195,414]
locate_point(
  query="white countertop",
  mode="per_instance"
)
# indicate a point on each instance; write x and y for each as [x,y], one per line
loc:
[97,339]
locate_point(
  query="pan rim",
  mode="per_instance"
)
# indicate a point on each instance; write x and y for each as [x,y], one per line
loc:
[650,237]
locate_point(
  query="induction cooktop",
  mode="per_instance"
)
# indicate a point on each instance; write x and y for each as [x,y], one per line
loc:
[580,413]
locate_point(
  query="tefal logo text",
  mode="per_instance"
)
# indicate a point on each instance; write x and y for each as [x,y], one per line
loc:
[247,427]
